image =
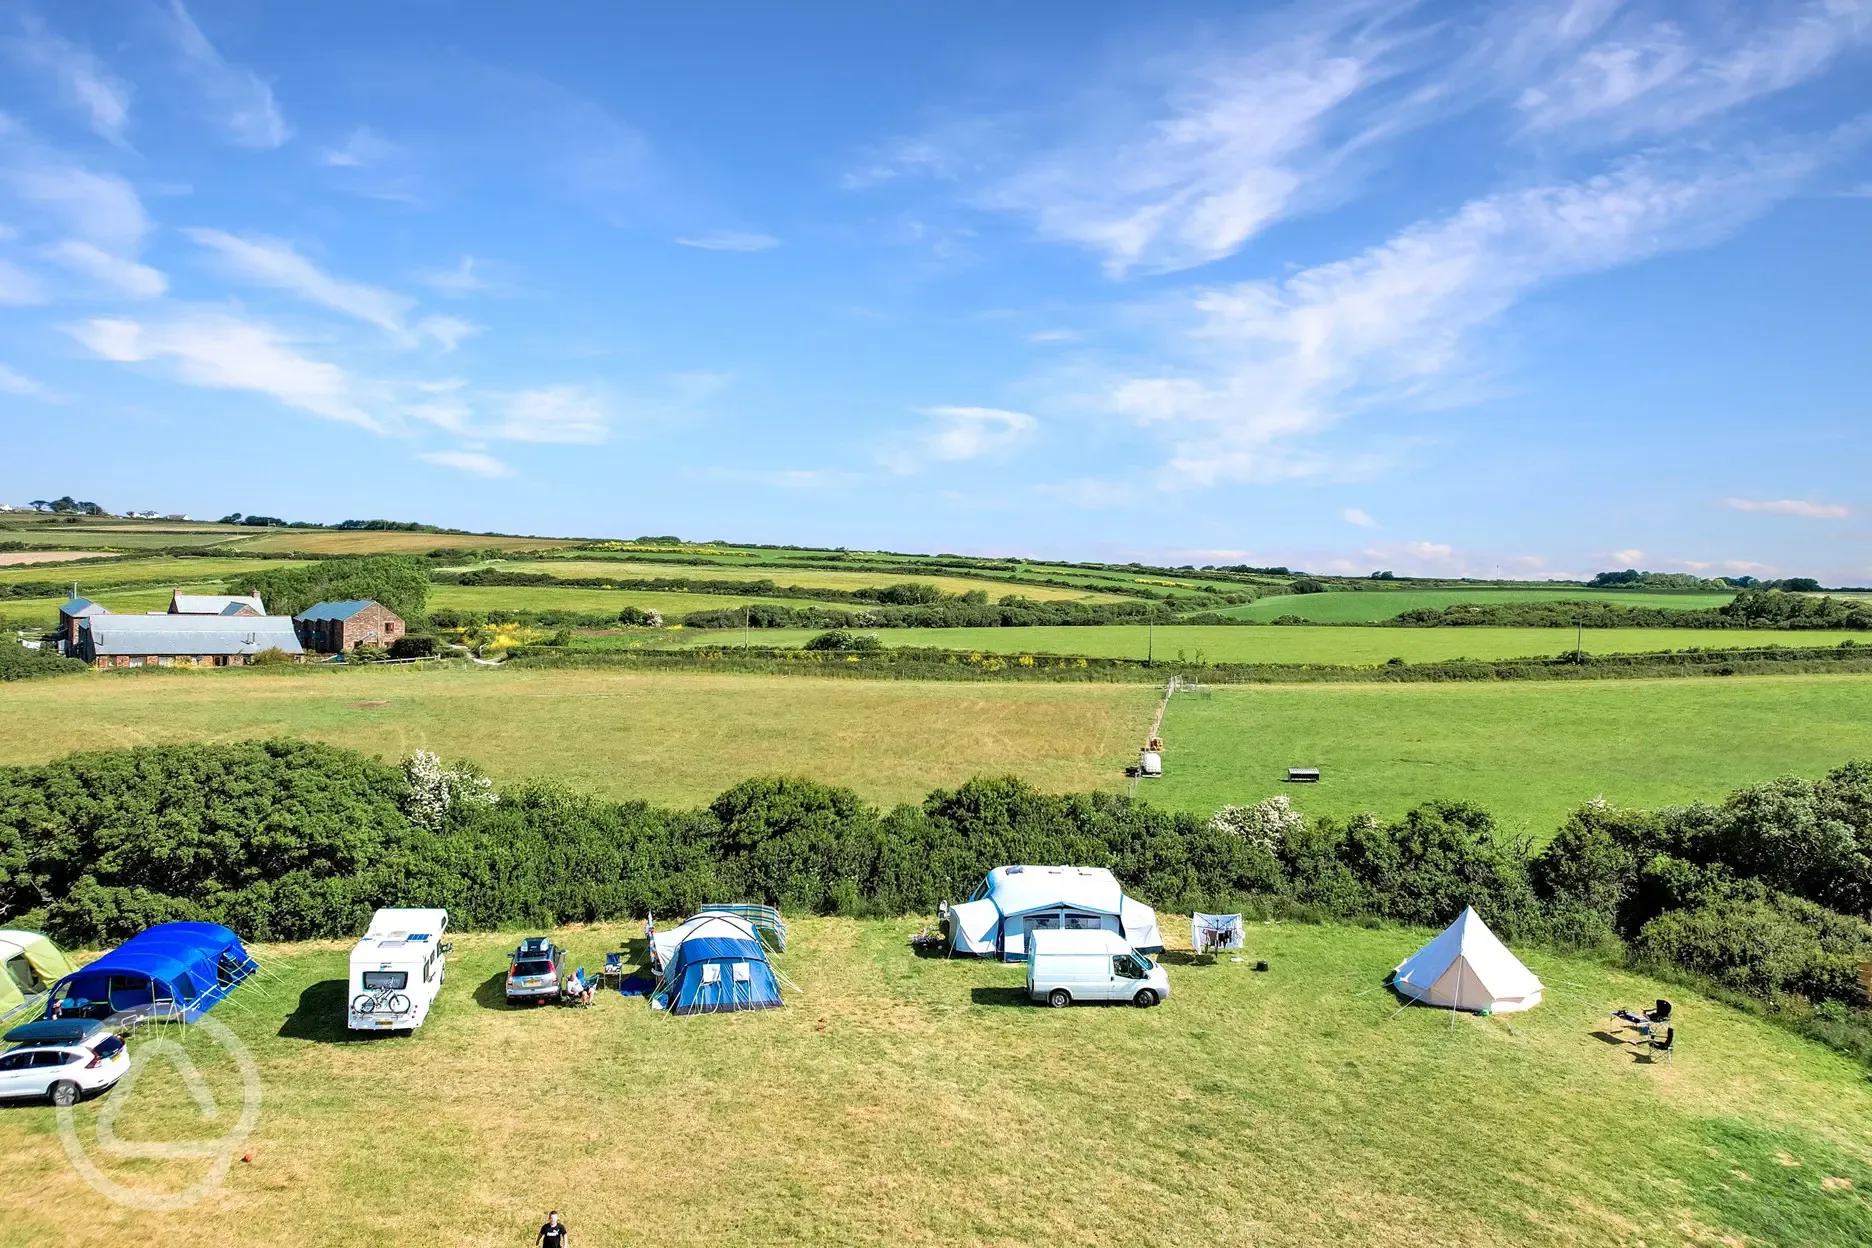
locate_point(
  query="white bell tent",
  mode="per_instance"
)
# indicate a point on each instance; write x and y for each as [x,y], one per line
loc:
[1468,968]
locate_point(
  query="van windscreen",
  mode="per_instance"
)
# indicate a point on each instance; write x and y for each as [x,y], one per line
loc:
[395,981]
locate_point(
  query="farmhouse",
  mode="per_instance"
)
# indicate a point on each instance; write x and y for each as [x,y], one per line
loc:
[215,604]
[335,627]
[106,640]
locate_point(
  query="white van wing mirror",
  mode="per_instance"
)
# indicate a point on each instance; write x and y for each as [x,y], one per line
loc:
[448,946]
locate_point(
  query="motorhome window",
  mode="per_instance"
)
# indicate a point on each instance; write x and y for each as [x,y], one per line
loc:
[1044,922]
[395,981]
[1082,922]
[525,969]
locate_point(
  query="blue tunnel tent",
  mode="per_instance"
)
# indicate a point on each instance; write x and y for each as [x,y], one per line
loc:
[172,970]
[715,964]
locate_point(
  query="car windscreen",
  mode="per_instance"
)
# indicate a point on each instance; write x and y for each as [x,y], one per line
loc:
[523,970]
[393,980]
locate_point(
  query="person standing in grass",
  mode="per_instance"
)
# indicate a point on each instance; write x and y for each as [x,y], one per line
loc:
[553,1234]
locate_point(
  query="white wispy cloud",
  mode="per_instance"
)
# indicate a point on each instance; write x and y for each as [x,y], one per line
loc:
[566,413]
[242,102]
[271,262]
[18,287]
[1355,515]
[82,79]
[730,240]
[220,351]
[1790,507]
[1630,558]
[460,280]
[364,147]
[477,463]
[13,381]
[1274,361]
[117,275]
[446,331]
[957,434]
[1647,75]
[103,209]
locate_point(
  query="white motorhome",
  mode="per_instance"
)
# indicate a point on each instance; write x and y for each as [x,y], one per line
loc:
[1014,902]
[1065,967]
[397,970]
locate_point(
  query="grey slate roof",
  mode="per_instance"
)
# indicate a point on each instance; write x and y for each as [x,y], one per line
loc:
[214,604]
[80,607]
[334,610]
[191,634]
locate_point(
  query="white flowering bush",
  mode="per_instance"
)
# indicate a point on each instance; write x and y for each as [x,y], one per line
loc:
[1264,824]
[434,789]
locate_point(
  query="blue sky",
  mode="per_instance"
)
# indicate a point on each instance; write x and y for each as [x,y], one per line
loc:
[1444,289]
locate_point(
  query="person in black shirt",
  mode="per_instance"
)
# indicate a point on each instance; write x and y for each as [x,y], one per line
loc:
[553,1234]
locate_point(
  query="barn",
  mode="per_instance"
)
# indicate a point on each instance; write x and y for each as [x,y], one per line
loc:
[335,627]
[182,640]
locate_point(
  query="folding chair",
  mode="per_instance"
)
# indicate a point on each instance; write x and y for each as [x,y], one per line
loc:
[614,970]
[1666,1046]
[1662,1013]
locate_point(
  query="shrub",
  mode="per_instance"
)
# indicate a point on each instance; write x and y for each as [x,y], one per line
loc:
[1307,585]
[272,656]
[839,639]
[19,663]
[417,646]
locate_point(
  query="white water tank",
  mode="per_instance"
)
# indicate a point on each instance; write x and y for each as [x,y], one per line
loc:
[1150,763]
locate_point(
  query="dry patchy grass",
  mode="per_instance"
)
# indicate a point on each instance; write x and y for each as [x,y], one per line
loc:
[901,1100]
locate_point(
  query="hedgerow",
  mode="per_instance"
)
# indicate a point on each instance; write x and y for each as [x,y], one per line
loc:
[1767,894]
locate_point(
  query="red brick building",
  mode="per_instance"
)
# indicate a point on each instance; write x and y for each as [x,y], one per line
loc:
[335,627]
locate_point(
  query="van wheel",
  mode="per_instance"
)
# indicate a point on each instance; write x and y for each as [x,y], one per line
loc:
[1059,998]
[64,1094]
[1145,998]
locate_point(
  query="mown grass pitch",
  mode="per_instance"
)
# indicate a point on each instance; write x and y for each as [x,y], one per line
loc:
[1526,752]
[904,1100]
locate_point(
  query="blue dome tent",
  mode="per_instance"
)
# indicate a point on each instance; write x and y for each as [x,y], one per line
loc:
[714,964]
[172,970]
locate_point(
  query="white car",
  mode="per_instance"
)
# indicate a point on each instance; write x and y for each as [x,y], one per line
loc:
[64,1071]
[1065,967]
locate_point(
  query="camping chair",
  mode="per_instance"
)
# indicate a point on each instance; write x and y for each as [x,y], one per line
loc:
[578,989]
[1667,1045]
[614,970]
[1662,1013]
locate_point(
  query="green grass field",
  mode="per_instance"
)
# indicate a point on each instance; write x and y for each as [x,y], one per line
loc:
[1226,643]
[1526,752]
[677,738]
[905,1100]
[189,571]
[133,601]
[1362,607]
[672,604]
[805,578]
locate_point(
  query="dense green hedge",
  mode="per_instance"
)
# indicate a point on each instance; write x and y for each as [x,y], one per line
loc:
[1767,894]
[19,663]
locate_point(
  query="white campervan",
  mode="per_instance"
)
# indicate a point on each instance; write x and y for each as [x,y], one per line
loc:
[1065,966]
[397,970]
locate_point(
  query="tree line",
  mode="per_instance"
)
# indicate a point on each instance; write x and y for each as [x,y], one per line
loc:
[1766,894]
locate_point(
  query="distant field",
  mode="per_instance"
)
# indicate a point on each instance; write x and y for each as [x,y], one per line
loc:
[132,601]
[191,571]
[670,603]
[1526,752]
[676,738]
[807,578]
[25,558]
[372,542]
[135,538]
[1222,643]
[1370,605]
[898,1100]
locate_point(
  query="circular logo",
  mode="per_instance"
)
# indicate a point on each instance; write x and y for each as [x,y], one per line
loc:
[219,1153]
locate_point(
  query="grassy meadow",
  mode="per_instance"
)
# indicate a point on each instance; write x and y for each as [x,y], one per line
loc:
[677,738]
[1527,752]
[673,604]
[804,578]
[1362,606]
[906,1100]
[1336,644]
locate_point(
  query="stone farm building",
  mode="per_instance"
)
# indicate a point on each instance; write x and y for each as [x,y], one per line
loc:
[335,627]
[107,640]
